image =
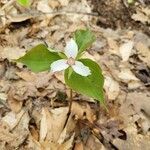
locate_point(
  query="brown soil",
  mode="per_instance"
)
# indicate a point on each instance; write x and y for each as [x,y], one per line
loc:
[117,14]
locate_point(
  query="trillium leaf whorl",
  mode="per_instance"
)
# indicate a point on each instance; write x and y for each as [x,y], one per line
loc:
[81,75]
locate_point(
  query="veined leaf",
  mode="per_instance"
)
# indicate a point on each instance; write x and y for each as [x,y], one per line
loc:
[39,58]
[84,39]
[91,85]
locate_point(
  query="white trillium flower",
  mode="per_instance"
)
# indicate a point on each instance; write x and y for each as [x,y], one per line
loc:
[71,51]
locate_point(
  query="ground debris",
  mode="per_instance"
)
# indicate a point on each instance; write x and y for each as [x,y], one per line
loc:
[34,106]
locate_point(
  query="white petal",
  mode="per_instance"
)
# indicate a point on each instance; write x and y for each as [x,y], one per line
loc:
[81,69]
[59,65]
[71,49]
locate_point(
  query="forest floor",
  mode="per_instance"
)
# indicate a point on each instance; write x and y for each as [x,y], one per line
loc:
[34,107]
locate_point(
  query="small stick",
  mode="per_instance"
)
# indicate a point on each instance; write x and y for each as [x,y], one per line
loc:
[70,102]
[70,106]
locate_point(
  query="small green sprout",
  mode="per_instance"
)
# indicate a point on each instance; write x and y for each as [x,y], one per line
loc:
[25,3]
[130,1]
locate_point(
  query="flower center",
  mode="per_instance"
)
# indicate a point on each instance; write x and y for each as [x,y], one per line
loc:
[71,61]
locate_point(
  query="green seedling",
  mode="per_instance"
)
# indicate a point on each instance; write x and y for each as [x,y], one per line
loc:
[130,1]
[24,3]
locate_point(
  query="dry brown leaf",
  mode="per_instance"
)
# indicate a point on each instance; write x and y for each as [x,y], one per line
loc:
[98,45]
[7,10]
[27,76]
[79,146]
[68,129]
[12,119]
[137,104]
[75,7]
[5,135]
[60,77]
[126,75]
[134,140]
[34,132]
[21,130]
[68,144]
[64,2]
[80,111]
[113,46]
[126,50]
[43,6]
[2,69]
[11,53]
[143,52]
[111,87]
[14,104]
[87,55]
[2,146]
[52,134]
[134,85]
[11,73]
[110,33]
[43,125]
[3,97]
[140,102]
[13,40]
[33,144]
[142,15]
[94,144]
[55,84]
[40,80]
[22,90]
[50,145]
[53,4]
[141,38]
[59,116]
[52,123]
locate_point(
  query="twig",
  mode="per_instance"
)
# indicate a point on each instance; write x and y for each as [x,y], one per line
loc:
[37,14]
[64,13]
[70,106]
[70,102]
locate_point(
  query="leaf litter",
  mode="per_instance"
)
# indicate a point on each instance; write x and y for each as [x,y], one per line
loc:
[34,107]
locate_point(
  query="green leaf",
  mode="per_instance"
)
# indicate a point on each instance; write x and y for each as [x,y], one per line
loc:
[130,1]
[25,3]
[84,39]
[91,85]
[62,55]
[39,58]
